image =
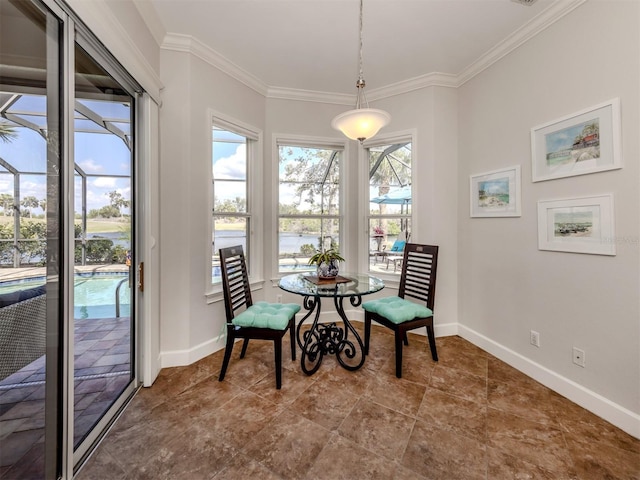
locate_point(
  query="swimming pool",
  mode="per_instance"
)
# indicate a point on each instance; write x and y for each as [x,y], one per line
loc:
[94,293]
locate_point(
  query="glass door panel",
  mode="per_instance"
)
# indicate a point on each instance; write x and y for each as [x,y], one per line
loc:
[103,253]
[30,253]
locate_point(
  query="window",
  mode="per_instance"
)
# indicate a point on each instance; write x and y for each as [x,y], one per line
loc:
[231,152]
[309,203]
[390,194]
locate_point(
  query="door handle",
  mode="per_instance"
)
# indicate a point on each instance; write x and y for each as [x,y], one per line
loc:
[141,276]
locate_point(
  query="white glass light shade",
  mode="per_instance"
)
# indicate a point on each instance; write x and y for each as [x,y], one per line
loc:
[361,123]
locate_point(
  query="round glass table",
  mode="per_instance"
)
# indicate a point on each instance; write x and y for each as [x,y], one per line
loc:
[334,338]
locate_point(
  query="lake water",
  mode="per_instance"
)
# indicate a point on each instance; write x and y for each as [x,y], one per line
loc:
[289,242]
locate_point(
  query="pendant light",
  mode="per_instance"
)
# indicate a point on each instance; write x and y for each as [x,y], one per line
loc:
[361,123]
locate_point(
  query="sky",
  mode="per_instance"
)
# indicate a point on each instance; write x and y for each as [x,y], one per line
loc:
[95,153]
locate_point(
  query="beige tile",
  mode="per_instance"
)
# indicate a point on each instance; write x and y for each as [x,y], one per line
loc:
[378,428]
[459,383]
[435,454]
[288,446]
[456,414]
[396,393]
[342,459]
[598,460]
[327,403]
[503,465]
[242,466]
[530,400]
[527,440]
[101,466]
[468,416]
[196,454]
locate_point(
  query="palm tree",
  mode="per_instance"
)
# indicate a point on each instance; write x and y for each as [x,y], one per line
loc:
[7,132]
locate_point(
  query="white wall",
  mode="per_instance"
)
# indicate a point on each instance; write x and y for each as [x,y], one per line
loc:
[494,285]
[507,286]
[189,325]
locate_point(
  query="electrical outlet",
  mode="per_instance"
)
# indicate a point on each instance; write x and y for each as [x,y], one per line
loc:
[279,299]
[534,338]
[578,357]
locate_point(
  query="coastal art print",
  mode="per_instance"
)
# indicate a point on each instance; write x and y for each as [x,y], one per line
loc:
[496,193]
[579,225]
[581,143]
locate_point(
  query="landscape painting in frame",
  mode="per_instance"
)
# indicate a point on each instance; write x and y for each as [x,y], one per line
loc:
[496,193]
[579,225]
[581,143]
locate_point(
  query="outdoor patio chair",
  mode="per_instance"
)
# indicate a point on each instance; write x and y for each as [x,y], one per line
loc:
[395,254]
[418,282]
[248,320]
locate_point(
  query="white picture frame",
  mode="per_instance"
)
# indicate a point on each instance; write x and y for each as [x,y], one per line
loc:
[584,142]
[496,193]
[577,225]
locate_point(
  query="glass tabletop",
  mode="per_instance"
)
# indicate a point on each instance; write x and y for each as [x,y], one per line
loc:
[347,284]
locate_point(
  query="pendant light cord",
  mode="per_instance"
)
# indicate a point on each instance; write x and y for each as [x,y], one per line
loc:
[360,84]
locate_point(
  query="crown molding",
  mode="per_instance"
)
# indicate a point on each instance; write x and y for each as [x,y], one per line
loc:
[186,43]
[539,23]
[284,93]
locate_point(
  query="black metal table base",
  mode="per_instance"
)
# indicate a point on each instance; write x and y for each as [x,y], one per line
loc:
[335,338]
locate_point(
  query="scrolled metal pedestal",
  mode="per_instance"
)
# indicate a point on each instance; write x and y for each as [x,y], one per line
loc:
[341,340]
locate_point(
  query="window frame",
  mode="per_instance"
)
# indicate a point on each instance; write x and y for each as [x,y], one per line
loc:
[253,139]
[408,137]
[306,142]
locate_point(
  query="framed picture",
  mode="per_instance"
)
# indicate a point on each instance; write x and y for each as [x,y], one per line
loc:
[579,225]
[496,193]
[581,143]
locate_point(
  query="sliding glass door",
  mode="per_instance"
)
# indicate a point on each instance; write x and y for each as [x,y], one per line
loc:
[68,116]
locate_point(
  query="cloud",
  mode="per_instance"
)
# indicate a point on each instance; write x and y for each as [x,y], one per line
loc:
[233,166]
[104,182]
[91,166]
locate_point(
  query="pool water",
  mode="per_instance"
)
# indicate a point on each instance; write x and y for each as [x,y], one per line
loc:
[94,295]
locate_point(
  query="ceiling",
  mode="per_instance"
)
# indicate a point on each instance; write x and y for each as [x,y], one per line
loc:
[313,45]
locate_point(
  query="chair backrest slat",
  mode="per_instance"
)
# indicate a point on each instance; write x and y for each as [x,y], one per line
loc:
[418,276]
[235,280]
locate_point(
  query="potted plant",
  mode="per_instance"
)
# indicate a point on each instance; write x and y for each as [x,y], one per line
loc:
[327,262]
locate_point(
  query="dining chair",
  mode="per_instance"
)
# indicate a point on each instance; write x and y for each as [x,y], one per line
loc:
[418,282]
[248,320]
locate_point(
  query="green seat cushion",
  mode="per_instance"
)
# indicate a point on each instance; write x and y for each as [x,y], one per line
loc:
[275,316]
[396,309]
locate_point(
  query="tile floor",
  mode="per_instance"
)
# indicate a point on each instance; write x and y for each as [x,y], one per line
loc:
[469,416]
[102,367]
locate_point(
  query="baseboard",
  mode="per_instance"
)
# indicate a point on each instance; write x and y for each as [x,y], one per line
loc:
[181,358]
[612,412]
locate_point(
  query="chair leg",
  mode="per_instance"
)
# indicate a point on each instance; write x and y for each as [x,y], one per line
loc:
[245,344]
[292,335]
[432,342]
[406,338]
[398,338]
[367,332]
[227,352]
[277,346]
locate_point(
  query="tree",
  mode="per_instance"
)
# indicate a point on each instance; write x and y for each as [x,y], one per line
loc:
[7,132]
[30,202]
[6,201]
[315,177]
[118,201]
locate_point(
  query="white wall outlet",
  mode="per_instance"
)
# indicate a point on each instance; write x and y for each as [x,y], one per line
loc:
[279,299]
[578,357]
[534,338]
